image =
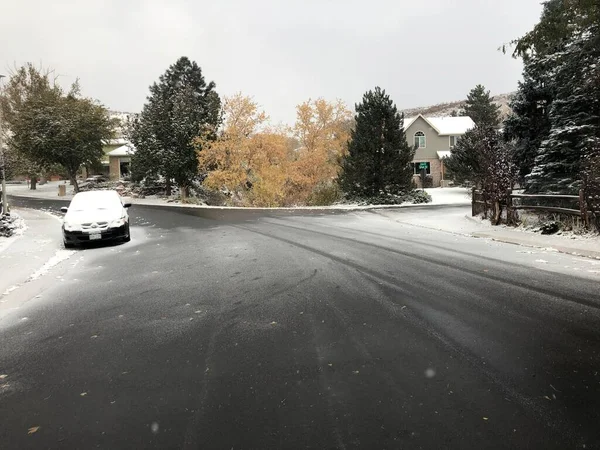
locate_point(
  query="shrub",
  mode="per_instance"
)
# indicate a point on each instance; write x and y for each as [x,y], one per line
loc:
[417,197]
[325,194]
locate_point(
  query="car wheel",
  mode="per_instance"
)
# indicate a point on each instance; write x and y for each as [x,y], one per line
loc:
[127,238]
[68,244]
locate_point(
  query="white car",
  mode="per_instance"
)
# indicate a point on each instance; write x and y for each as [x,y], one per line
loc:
[95,216]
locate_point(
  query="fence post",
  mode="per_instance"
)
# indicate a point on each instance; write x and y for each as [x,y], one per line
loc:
[583,208]
[509,207]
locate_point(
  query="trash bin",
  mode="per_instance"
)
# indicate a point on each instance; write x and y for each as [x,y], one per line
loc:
[62,190]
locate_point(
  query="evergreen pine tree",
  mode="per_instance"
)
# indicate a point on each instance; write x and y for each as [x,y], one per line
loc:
[528,125]
[179,106]
[377,165]
[575,113]
[481,109]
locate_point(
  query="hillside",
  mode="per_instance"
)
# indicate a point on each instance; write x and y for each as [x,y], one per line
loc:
[446,109]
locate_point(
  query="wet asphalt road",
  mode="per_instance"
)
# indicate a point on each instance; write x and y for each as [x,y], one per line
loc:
[240,330]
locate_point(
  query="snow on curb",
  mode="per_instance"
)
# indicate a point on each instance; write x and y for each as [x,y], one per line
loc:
[59,256]
[21,225]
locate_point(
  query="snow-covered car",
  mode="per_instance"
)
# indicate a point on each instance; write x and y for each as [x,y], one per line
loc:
[95,216]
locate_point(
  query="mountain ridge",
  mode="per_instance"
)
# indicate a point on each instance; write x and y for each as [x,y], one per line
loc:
[447,109]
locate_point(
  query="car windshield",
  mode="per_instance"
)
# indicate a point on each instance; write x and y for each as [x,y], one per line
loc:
[94,201]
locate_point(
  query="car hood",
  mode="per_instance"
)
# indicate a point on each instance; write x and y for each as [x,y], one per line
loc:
[93,216]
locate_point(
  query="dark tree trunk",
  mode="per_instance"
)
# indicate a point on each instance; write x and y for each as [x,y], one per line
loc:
[33,185]
[168,189]
[183,192]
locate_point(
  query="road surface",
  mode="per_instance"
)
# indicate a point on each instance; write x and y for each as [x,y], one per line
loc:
[246,330]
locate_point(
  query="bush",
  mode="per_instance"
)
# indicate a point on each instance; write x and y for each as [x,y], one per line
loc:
[413,196]
[325,194]
[418,197]
[550,228]
[209,196]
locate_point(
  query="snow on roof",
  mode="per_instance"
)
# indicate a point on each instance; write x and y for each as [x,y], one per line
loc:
[452,125]
[443,154]
[116,141]
[123,150]
[408,121]
[445,125]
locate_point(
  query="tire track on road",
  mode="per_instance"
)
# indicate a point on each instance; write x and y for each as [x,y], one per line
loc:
[446,265]
[543,415]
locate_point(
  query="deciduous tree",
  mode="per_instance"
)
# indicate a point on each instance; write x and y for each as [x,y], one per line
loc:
[48,126]
[485,159]
[246,161]
[322,129]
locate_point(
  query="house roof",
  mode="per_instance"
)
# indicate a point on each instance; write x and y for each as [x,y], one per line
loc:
[116,141]
[123,150]
[443,154]
[444,126]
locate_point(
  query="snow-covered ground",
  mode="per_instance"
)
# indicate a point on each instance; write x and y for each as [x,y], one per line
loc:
[449,196]
[457,219]
[60,256]
[30,254]
[440,196]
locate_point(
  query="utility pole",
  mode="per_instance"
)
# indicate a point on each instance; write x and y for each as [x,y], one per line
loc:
[3,162]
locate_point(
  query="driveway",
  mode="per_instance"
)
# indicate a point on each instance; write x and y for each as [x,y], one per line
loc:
[253,330]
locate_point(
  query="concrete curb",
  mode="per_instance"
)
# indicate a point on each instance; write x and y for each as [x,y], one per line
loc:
[140,202]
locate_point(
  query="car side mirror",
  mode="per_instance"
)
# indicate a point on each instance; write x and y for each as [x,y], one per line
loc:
[64,209]
[126,205]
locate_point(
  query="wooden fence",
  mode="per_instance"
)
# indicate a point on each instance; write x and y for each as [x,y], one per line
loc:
[587,208]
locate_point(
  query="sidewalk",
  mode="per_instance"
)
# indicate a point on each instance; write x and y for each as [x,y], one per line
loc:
[588,245]
[46,191]
[458,220]
[24,258]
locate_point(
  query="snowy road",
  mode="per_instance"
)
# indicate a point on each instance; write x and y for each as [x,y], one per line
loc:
[234,329]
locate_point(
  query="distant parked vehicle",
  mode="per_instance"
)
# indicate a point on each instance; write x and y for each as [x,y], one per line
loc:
[96,179]
[95,216]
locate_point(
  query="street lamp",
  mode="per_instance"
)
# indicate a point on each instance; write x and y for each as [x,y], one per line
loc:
[3,162]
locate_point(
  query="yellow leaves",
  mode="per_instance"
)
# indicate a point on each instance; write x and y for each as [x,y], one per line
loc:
[260,166]
[323,128]
[32,430]
[242,116]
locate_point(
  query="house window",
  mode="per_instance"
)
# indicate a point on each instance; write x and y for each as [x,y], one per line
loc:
[453,141]
[420,139]
[416,167]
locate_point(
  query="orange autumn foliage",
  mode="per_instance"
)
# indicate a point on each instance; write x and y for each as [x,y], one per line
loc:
[260,166]
[323,130]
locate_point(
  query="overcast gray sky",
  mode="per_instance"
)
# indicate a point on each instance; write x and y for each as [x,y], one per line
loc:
[281,52]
